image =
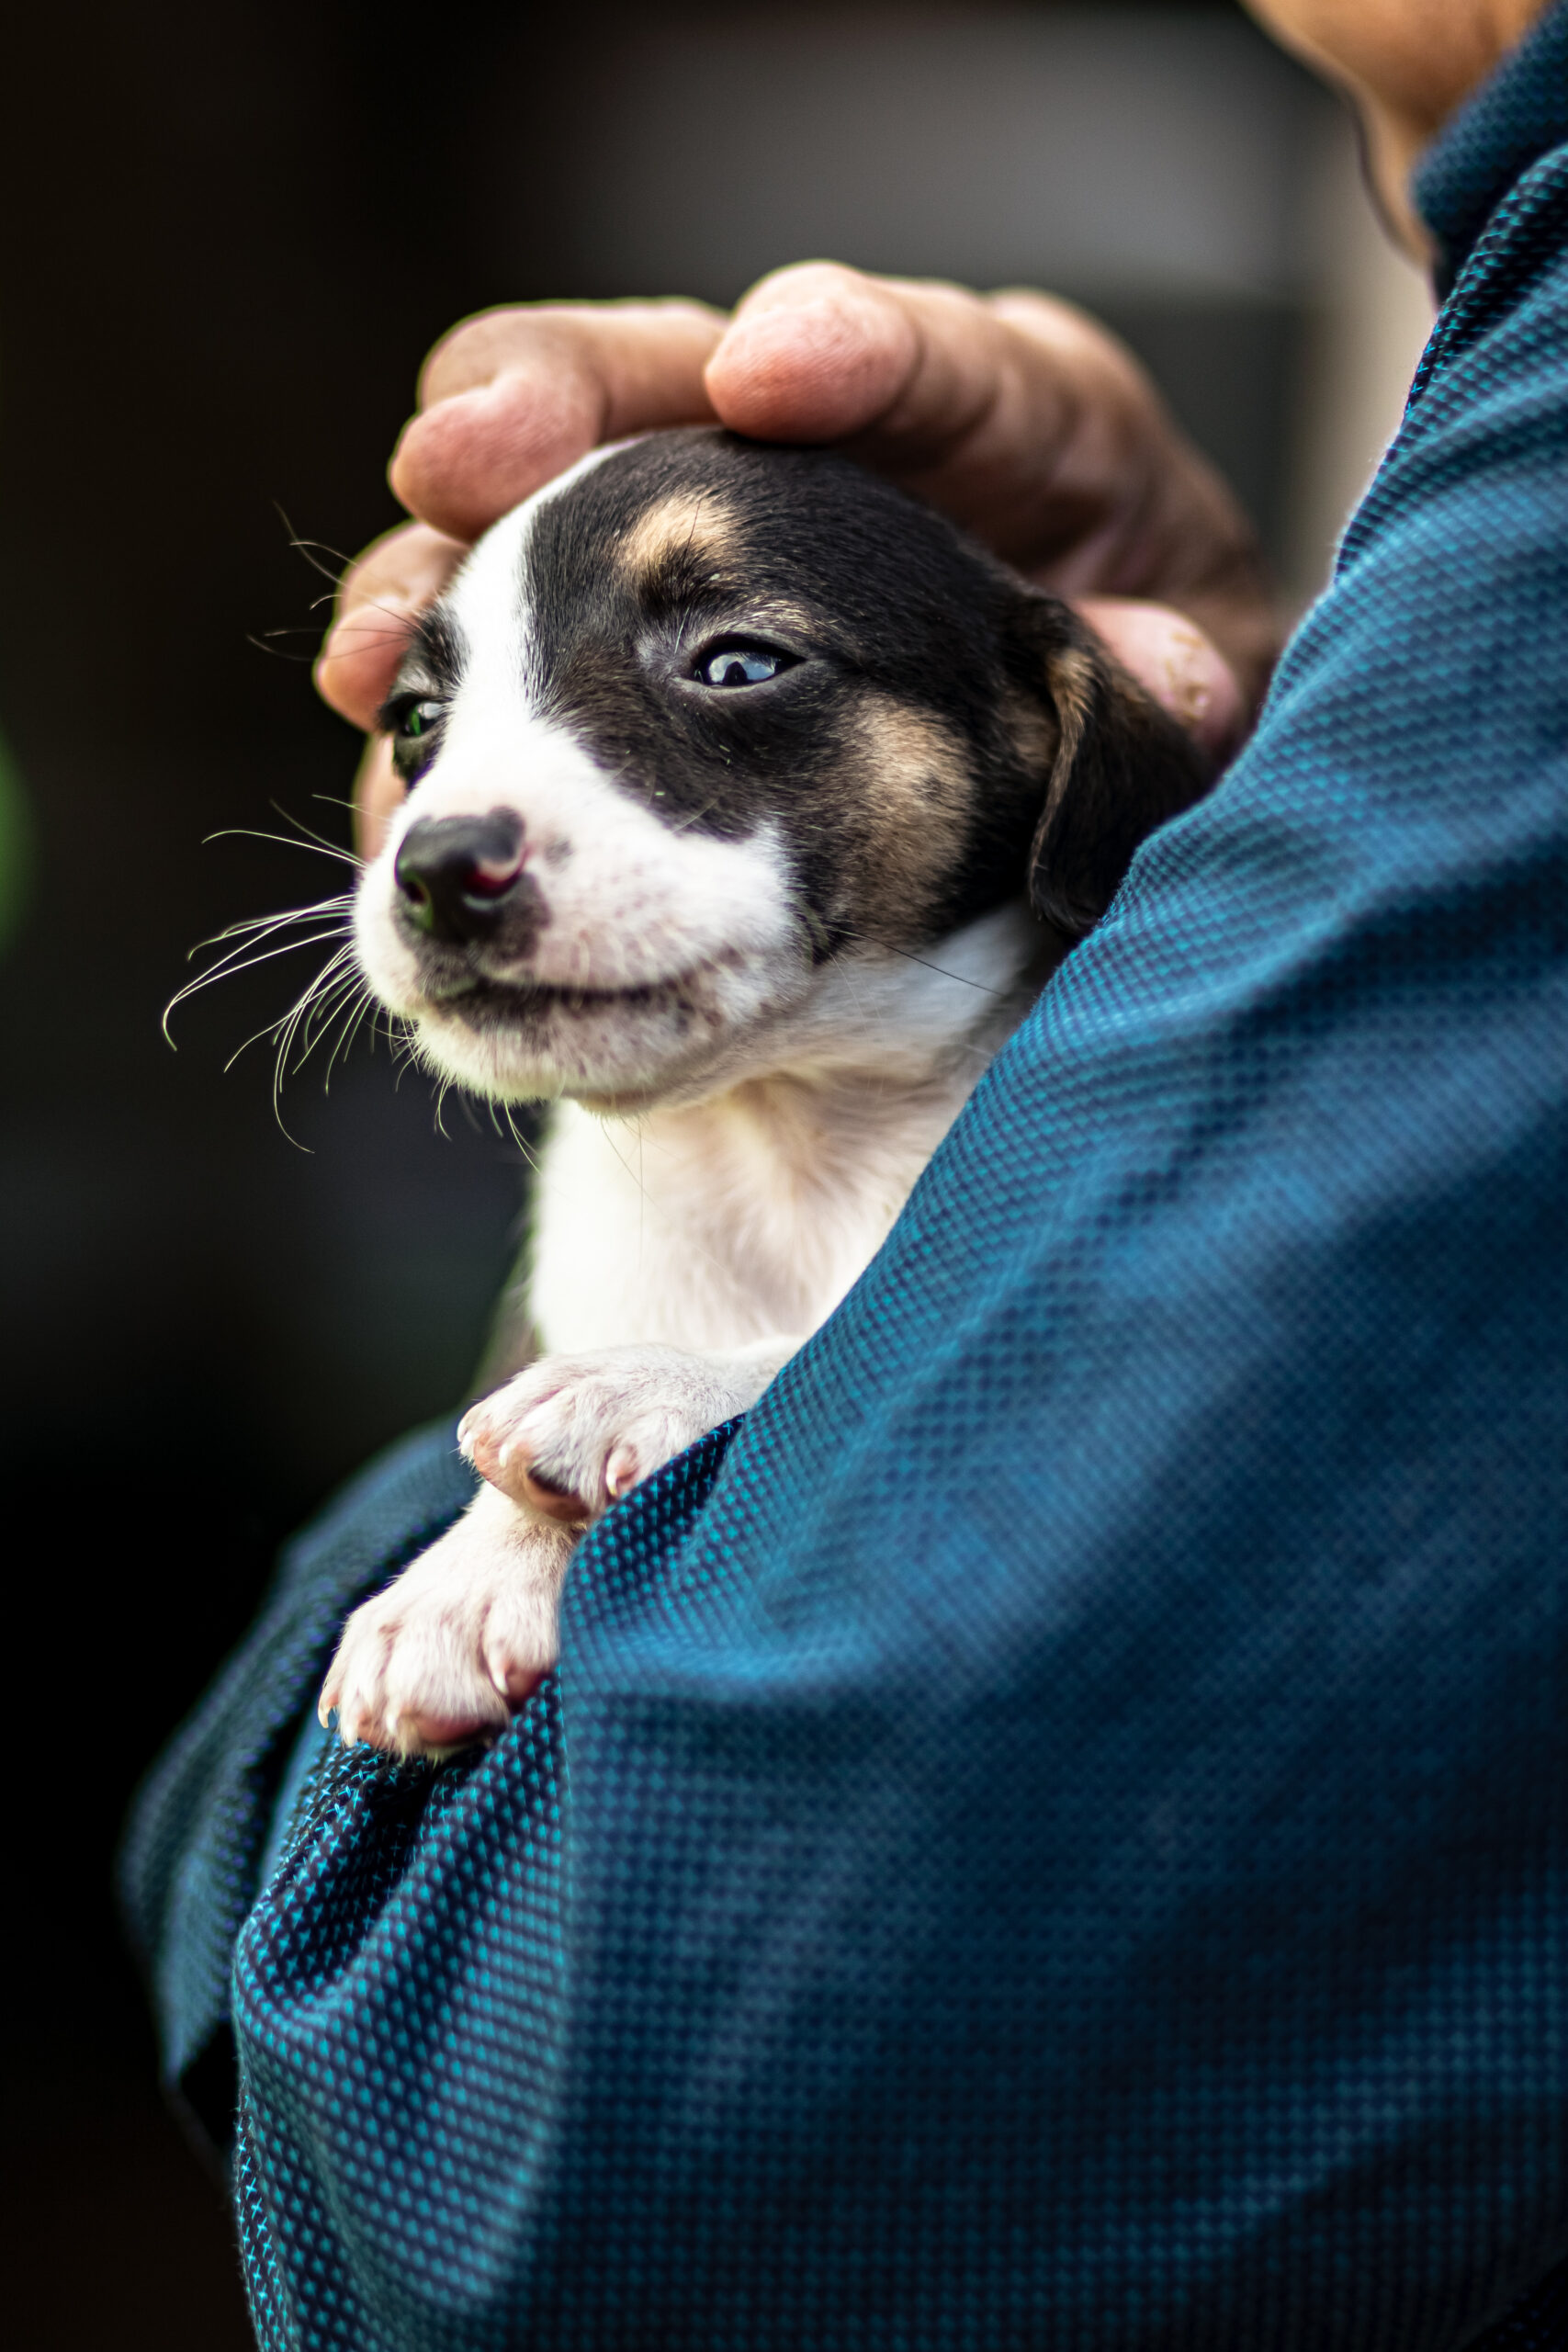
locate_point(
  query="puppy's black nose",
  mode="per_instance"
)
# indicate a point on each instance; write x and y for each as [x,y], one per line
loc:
[456,875]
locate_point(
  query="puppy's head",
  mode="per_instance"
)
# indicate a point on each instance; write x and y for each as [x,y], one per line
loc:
[704,730]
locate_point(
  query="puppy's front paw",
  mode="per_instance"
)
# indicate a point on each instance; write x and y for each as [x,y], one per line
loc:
[571,1434]
[443,1656]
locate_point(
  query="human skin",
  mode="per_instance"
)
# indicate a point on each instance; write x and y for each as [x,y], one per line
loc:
[1405,65]
[1013,412]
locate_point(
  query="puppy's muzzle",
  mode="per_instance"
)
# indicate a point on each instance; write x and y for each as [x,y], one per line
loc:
[461,881]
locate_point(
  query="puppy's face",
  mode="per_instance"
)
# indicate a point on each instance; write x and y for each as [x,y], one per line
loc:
[704,733]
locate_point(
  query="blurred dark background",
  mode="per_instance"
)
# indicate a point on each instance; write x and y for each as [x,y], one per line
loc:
[232,232]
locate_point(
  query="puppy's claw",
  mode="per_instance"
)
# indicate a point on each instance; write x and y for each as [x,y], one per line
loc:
[441,1657]
[572,1434]
[516,1683]
[622,1472]
[551,1501]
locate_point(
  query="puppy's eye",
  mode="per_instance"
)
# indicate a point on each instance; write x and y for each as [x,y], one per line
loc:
[742,665]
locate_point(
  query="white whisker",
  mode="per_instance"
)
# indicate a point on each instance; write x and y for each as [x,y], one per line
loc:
[232,966]
[340,905]
[315,843]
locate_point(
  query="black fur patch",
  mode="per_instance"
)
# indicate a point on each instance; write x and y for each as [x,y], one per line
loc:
[909,750]
[432,671]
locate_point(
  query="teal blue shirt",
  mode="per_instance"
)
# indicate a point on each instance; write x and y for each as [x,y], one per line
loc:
[1054,1831]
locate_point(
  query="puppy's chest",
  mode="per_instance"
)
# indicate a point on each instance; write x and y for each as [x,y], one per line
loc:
[711,1228]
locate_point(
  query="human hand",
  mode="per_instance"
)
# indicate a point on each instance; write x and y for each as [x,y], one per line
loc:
[1013,412]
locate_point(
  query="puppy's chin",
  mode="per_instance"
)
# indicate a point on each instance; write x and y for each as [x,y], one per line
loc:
[616,1051]
[644,1002]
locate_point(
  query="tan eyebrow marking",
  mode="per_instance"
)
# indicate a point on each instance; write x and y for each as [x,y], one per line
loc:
[691,524]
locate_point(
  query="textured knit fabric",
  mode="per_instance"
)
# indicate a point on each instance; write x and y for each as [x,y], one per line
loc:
[1517,118]
[1052,1832]
[191,1863]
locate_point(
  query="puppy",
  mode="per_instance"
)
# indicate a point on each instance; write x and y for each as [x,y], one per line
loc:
[750,804]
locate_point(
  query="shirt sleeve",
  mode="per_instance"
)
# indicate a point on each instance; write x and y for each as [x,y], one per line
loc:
[1054,1832]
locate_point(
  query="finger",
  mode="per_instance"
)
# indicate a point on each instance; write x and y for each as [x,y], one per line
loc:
[1173,661]
[942,388]
[511,399]
[378,600]
[1016,414]
[816,353]
[378,792]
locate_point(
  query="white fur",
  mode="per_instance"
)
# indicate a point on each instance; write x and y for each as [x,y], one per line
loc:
[596,1425]
[679,1258]
[440,1656]
[711,1208]
[634,903]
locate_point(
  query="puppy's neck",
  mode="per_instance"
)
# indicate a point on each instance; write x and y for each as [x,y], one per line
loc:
[716,1223]
[837,1121]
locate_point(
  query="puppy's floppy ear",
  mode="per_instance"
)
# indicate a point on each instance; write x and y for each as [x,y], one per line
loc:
[1122,766]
